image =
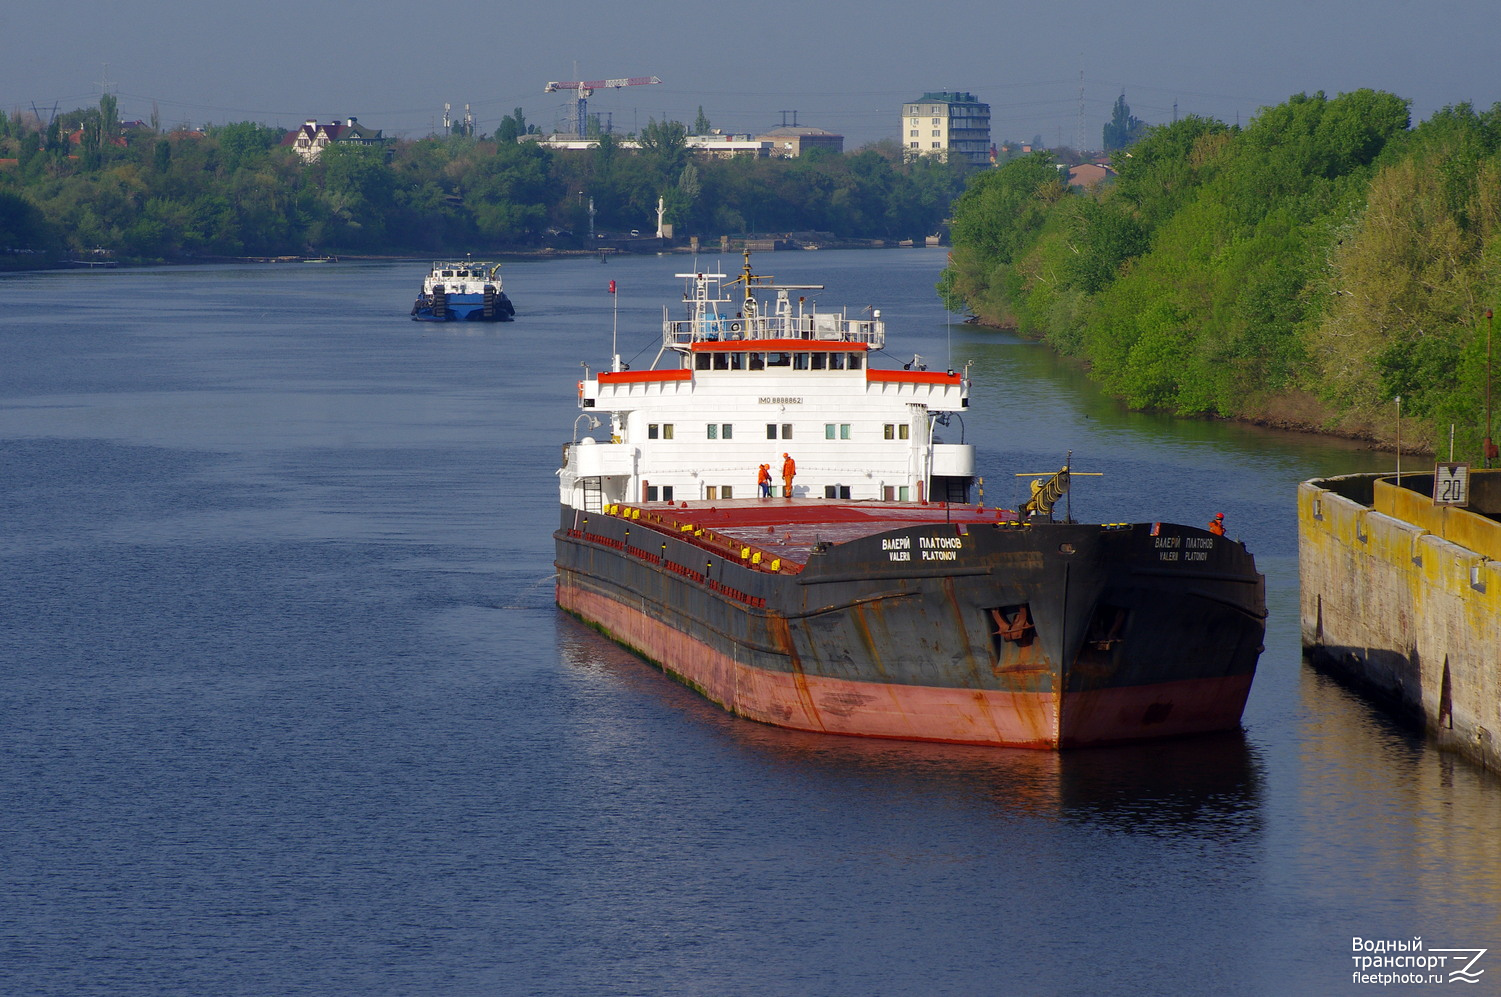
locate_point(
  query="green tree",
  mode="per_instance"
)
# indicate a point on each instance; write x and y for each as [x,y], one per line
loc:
[664,146]
[1123,128]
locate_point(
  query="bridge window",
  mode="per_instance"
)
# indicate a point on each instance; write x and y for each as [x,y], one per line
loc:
[800,361]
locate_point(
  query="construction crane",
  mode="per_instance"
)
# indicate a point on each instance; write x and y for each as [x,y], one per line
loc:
[584,90]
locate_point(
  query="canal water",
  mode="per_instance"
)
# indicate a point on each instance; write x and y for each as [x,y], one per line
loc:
[286,706]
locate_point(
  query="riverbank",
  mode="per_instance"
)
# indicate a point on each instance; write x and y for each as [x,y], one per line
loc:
[1295,411]
[606,246]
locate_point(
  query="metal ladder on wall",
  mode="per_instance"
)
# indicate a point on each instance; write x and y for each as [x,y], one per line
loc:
[594,497]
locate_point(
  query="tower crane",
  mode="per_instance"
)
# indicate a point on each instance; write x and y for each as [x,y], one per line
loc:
[584,90]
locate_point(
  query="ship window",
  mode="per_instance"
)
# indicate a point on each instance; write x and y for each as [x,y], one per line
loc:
[897,431]
[727,491]
[819,360]
[666,493]
[652,431]
[713,430]
[836,491]
[702,361]
[771,430]
[758,361]
[888,431]
[800,361]
[903,494]
[667,431]
[836,361]
[721,361]
[651,493]
[726,431]
[855,361]
[786,430]
[836,431]
[711,493]
[721,431]
[737,361]
[779,359]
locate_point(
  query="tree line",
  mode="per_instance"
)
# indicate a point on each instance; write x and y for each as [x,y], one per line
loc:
[80,183]
[1306,270]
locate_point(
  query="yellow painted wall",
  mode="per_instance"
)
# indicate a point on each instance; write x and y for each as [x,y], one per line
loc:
[1389,600]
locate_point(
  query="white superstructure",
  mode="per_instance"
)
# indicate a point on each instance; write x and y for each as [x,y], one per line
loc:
[744,380]
[467,277]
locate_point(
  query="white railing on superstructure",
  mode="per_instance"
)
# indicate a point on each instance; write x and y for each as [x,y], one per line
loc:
[715,317]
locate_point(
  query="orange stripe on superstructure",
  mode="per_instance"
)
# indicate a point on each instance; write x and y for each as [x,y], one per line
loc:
[912,376]
[777,346]
[644,376]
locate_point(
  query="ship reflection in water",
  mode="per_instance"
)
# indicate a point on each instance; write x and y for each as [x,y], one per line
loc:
[1209,785]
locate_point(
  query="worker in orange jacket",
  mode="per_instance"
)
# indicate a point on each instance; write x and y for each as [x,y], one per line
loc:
[789,468]
[763,481]
[1217,524]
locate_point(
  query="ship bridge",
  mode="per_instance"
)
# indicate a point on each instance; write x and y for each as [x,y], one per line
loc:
[752,383]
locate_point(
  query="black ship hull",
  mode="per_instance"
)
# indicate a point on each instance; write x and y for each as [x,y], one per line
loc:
[1044,636]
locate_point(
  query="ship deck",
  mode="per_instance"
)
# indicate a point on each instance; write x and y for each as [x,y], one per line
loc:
[788,528]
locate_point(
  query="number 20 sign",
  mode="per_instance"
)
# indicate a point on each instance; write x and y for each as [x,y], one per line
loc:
[1451,484]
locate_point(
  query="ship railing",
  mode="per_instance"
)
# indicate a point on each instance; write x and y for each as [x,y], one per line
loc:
[728,548]
[818,327]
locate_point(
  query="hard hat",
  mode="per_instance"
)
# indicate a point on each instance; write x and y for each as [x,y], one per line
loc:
[1219,515]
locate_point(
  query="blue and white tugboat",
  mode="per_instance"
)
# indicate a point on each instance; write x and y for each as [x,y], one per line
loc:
[463,292]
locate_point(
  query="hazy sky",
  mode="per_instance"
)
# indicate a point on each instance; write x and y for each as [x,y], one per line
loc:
[844,66]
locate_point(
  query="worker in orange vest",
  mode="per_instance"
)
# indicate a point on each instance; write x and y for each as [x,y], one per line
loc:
[763,480]
[789,468]
[1217,524]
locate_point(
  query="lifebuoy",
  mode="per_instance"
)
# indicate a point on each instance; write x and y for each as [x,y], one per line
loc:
[734,326]
[581,391]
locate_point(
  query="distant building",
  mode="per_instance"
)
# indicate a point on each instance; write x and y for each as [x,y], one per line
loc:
[953,126]
[311,139]
[1090,175]
[791,141]
[722,145]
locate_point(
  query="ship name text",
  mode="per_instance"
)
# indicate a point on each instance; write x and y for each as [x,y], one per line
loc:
[779,400]
[929,548]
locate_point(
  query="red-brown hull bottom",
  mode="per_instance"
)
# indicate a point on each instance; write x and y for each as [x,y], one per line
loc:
[920,713]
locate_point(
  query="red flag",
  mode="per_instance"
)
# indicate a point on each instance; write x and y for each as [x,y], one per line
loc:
[612,287]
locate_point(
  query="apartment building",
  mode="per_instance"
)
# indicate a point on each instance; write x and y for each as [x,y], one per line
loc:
[951,125]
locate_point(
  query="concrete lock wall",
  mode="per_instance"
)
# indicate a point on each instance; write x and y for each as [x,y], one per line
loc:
[1395,605]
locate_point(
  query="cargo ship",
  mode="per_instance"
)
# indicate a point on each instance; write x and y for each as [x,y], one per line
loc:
[780,524]
[463,292]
